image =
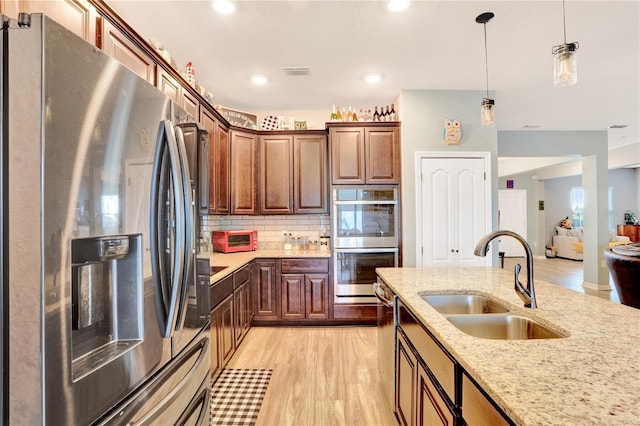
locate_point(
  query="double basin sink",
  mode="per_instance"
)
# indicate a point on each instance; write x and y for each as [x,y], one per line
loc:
[483,317]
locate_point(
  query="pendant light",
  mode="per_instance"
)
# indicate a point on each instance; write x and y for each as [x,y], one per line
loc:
[487,108]
[565,64]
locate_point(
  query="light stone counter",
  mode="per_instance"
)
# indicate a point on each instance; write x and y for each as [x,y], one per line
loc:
[235,261]
[590,377]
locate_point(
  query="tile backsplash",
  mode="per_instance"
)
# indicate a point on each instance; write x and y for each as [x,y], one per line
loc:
[270,228]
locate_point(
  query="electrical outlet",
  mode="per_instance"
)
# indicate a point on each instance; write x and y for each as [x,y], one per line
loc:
[603,264]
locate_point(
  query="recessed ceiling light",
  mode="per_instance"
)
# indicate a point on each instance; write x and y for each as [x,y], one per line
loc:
[618,126]
[259,79]
[224,6]
[372,78]
[397,5]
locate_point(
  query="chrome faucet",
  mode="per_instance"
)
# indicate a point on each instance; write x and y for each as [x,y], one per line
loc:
[528,295]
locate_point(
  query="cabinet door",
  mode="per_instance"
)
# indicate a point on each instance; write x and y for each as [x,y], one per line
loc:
[190,104]
[310,174]
[216,341]
[78,16]
[316,296]
[227,346]
[477,409]
[210,124]
[239,313]
[221,156]
[382,147]
[431,407]
[169,86]
[406,377]
[117,45]
[243,173]
[292,294]
[265,293]
[276,175]
[347,155]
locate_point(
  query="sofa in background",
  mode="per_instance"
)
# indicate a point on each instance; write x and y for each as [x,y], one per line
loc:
[568,242]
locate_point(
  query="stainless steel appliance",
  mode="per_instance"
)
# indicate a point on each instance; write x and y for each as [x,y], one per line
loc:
[101,317]
[355,272]
[386,339]
[365,237]
[365,216]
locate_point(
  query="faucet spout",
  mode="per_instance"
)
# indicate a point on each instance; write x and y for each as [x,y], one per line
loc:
[527,294]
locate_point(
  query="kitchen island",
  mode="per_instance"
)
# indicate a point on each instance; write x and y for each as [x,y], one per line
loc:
[590,377]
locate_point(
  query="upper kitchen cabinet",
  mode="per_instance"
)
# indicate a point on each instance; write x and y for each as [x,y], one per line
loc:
[276,174]
[365,155]
[118,45]
[169,86]
[219,148]
[78,16]
[293,173]
[310,173]
[244,172]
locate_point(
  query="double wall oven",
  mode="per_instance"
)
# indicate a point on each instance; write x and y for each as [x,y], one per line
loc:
[365,232]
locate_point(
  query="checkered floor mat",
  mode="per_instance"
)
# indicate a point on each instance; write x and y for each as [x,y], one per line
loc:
[237,395]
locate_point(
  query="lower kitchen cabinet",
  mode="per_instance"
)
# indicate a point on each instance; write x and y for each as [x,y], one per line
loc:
[242,302]
[431,387]
[222,335]
[265,290]
[304,289]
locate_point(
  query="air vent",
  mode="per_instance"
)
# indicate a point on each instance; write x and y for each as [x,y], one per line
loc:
[618,126]
[296,71]
[531,126]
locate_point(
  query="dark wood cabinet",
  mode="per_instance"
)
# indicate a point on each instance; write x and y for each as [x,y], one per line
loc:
[406,376]
[218,162]
[242,302]
[243,173]
[117,45]
[310,174]
[222,335]
[169,86]
[265,296]
[190,104]
[631,231]
[431,408]
[304,289]
[276,174]
[292,296]
[365,155]
[78,16]
[293,174]
[347,155]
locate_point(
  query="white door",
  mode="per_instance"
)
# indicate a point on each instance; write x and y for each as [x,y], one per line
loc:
[512,216]
[453,210]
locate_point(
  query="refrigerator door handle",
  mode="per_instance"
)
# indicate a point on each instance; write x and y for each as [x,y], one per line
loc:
[167,292]
[189,246]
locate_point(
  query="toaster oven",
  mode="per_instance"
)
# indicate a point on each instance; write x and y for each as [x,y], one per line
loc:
[234,241]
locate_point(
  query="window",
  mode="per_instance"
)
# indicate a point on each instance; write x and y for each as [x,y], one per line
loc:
[577,207]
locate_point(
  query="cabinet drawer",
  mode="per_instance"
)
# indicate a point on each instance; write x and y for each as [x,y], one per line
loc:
[221,290]
[289,266]
[441,365]
[477,409]
[241,276]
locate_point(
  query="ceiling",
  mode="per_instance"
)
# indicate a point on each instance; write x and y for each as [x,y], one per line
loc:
[433,45]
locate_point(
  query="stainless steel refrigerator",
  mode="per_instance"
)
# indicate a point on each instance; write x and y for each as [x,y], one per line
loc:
[102,320]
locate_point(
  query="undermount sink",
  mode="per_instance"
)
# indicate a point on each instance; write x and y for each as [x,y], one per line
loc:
[503,327]
[453,304]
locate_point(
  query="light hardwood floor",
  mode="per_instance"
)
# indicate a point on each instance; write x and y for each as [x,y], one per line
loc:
[329,375]
[321,375]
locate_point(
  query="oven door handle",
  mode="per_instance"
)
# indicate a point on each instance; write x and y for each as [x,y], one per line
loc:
[377,289]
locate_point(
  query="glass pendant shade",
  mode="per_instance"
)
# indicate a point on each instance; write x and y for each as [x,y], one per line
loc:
[565,65]
[488,112]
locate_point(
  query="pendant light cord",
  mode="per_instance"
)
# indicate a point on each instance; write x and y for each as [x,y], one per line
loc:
[486,60]
[564,24]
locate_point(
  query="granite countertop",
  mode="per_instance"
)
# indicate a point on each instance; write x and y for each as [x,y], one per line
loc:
[590,377]
[234,261]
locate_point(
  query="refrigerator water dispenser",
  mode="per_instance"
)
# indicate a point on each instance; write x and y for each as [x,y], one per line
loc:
[107,311]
